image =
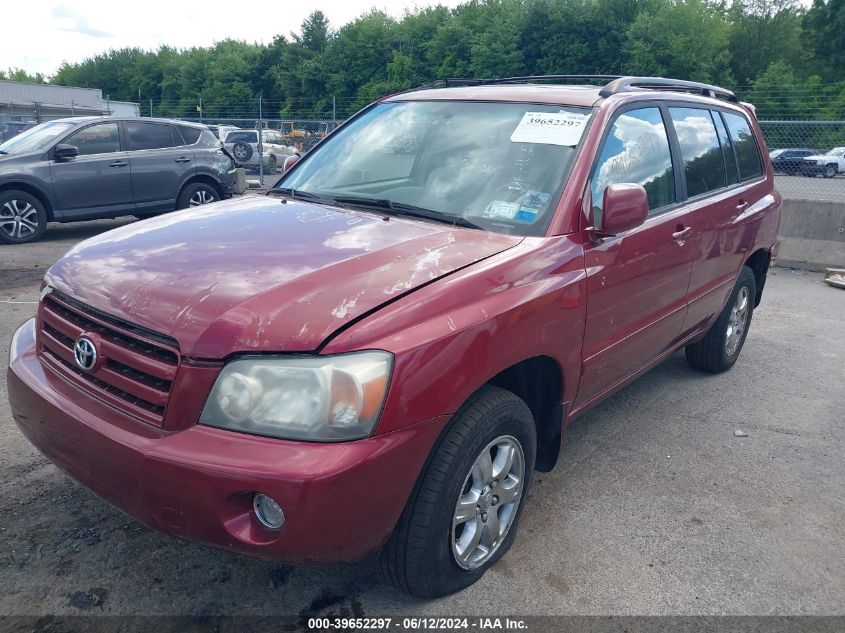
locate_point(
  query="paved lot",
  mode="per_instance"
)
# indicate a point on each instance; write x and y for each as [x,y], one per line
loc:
[655,507]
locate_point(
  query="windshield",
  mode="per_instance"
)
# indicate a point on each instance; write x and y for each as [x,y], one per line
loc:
[836,151]
[35,139]
[775,153]
[498,166]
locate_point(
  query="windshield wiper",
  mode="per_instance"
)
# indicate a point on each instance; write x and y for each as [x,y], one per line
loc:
[402,209]
[296,194]
[2,152]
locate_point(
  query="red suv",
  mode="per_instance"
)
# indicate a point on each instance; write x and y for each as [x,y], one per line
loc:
[378,354]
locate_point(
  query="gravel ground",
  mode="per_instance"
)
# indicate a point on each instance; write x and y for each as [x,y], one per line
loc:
[654,508]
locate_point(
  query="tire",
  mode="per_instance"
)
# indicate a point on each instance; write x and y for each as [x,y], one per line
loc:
[242,152]
[196,194]
[721,346]
[23,217]
[271,165]
[421,557]
[830,171]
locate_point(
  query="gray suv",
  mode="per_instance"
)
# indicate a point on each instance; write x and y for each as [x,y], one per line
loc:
[89,168]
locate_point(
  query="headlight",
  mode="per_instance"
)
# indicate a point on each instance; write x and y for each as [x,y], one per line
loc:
[318,398]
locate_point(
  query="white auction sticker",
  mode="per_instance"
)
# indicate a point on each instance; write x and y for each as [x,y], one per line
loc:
[550,128]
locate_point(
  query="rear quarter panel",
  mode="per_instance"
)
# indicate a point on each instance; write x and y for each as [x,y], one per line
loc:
[449,338]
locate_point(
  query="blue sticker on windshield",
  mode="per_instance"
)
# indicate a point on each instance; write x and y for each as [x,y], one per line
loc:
[525,216]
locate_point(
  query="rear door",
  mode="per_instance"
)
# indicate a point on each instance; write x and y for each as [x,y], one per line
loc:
[637,280]
[98,181]
[160,163]
[721,166]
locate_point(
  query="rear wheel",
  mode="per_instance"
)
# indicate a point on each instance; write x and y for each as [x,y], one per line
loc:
[719,349]
[463,514]
[23,217]
[196,194]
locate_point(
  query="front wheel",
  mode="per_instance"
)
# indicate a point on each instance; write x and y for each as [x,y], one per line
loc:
[829,171]
[463,513]
[719,349]
[23,217]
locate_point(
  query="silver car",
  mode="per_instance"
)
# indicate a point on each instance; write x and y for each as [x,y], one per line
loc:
[243,146]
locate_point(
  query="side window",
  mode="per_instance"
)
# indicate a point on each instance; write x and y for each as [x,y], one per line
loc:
[190,134]
[727,149]
[704,167]
[636,151]
[147,135]
[102,138]
[746,147]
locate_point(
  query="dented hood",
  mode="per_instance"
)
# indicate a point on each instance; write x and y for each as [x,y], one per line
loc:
[256,274]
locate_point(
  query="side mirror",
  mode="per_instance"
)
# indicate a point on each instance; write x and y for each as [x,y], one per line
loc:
[290,161]
[625,207]
[65,152]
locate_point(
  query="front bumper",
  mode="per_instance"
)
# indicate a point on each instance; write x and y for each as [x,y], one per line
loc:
[341,500]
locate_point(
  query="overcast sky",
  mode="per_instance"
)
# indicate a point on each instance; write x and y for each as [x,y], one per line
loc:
[38,35]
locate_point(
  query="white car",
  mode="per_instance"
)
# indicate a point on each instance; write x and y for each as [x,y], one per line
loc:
[828,165]
[243,146]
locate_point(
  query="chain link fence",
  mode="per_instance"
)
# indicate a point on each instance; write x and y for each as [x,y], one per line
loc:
[808,158]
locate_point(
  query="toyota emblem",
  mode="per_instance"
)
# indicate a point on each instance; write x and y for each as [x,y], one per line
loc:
[85,353]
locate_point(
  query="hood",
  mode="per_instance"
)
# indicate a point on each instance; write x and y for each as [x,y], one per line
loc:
[256,274]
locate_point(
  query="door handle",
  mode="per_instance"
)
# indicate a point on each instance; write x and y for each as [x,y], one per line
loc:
[741,205]
[183,159]
[118,163]
[682,233]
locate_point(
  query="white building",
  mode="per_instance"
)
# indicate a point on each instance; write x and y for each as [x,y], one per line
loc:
[25,104]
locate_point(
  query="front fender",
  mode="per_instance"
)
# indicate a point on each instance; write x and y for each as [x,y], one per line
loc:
[454,335]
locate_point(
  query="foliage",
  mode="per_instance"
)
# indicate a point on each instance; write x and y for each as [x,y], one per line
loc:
[761,45]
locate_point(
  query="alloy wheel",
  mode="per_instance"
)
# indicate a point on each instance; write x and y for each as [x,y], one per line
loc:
[488,502]
[18,219]
[737,321]
[201,196]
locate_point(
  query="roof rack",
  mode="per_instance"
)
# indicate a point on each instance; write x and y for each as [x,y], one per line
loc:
[468,81]
[615,85]
[624,84]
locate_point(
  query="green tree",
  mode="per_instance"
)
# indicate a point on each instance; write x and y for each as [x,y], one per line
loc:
[763,32]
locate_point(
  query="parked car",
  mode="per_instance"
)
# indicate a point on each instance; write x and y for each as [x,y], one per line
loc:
[789,161]
[376,356]
[243,145]
[220,131]
[827,165]
[89,168]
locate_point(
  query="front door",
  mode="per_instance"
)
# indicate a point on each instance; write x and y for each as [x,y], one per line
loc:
[97,182]
[637,280]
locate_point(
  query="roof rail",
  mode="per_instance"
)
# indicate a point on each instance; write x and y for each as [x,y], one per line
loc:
[615,85]
[534,78]
[469,81]
[624,84]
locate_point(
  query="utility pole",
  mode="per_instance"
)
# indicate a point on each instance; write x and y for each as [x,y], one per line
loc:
[151,107]
[200,109]
[334,111]
[260,127]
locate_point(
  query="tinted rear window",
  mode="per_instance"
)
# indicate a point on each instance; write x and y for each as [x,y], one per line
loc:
[190,134]
[704,167]
[746,146]
[147,135]
[727,149]
[246,137]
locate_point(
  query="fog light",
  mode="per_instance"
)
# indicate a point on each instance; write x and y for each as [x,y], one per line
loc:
[268,512]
